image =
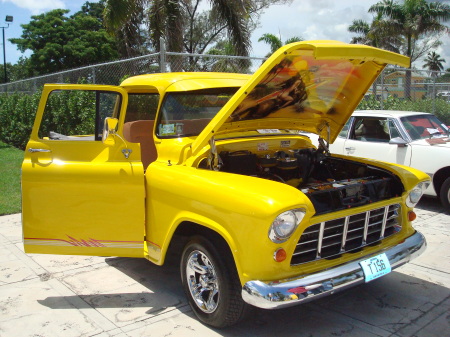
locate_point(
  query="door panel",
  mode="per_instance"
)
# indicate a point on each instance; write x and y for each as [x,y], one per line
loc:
[339,143]
[338,146]
[369,137]
[81,196]
[377,150]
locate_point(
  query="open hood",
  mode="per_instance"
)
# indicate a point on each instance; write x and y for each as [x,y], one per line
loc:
[309,86]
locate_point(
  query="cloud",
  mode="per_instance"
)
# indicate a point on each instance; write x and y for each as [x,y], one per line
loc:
[37,6]
[312,20]
[323,20]
[314,6]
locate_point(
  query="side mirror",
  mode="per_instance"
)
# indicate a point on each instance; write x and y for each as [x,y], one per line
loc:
[109,130]
[400,142]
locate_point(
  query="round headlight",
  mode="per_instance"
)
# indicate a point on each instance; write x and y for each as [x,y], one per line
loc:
[285,224]
[416,193]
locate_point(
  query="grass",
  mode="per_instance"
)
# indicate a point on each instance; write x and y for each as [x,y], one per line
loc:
[10,162]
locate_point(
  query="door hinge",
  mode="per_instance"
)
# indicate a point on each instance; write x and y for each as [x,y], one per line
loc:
[126,153]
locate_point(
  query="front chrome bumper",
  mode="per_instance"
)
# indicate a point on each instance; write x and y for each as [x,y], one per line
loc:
[275,295]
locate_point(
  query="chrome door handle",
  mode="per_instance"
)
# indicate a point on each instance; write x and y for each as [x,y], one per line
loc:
[350,148]
[38,150]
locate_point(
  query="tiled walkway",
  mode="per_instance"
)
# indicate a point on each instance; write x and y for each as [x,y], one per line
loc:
[47,295]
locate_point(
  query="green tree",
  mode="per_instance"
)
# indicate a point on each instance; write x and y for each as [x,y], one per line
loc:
[126,21]
[9,69]
[168,19]
[59,42]
[374,34]
[445,77]
[417,22]
[186,26]
[228,64]
[275,42]
[433,62]
[19,71]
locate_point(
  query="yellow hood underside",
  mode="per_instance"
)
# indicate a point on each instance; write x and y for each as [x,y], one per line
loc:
[308,86]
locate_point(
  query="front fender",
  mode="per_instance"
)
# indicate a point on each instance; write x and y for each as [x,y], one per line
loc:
[185,216]
[239,208]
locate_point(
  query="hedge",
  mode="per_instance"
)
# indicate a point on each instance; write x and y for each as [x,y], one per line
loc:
[17,112]
[71,112]
[439,107]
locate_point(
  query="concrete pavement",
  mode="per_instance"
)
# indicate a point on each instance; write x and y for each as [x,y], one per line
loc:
[50,295]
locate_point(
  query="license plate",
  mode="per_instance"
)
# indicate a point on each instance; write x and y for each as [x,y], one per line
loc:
[375,267]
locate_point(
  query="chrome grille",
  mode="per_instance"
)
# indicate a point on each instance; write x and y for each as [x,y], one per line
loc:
[330,239]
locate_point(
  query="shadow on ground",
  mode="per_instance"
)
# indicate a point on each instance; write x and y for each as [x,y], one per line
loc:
[392,304]
[386,305]
[431,204]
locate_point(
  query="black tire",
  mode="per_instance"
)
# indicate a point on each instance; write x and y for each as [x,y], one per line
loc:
[444,194]
[219,301]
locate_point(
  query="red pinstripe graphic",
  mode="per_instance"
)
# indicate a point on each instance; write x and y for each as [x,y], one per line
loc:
[153,244]
[83,242]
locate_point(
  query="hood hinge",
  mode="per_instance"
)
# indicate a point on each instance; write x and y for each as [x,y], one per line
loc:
[214,161]
[323,145]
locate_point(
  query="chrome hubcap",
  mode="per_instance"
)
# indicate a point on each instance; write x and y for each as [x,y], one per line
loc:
[202,281]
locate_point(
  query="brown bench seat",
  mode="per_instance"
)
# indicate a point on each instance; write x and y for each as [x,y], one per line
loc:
[141,131]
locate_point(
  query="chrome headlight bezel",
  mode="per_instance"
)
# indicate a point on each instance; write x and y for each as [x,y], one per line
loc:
[285,224]
[416,193]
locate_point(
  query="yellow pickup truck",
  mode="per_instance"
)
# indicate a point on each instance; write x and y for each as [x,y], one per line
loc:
[221,165]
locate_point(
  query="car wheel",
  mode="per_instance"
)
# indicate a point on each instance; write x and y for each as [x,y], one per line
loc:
[444,194]
[211,283]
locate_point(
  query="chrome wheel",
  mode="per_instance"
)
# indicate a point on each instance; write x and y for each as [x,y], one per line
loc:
[202,281]
[211,282]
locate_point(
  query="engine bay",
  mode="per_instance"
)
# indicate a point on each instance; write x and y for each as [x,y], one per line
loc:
[330,183]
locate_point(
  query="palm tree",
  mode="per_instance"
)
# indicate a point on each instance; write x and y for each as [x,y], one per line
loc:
[275,42]
[362,28]
[126,27]
[433,62]
[375,35]
[412,20]
[229,65]
[167,18]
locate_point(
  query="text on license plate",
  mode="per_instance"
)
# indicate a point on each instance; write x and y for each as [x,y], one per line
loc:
[375,267]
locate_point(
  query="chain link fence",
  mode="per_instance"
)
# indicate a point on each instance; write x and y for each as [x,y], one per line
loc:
[398,83]
[113,73]
[106,73]
[411,84]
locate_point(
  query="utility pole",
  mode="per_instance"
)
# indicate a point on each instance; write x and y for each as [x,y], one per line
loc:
[8,20]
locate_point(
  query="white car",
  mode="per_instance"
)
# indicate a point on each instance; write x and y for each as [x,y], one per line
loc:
[416,139]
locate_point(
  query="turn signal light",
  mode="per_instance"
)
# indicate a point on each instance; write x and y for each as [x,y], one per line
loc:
[412,216]
[279,255]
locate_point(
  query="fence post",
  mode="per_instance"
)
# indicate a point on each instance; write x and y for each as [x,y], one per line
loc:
[434,92]
[93,75]
[162,55]
[382,90]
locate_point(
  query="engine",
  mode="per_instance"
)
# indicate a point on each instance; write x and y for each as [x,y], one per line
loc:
[330,183]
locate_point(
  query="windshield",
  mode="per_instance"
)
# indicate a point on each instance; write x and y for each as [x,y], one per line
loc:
[424,126]
[185,114]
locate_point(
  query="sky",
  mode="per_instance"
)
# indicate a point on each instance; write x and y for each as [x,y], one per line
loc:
[309,19]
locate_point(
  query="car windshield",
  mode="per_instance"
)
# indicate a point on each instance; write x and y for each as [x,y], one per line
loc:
[185,114]
[424,126]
